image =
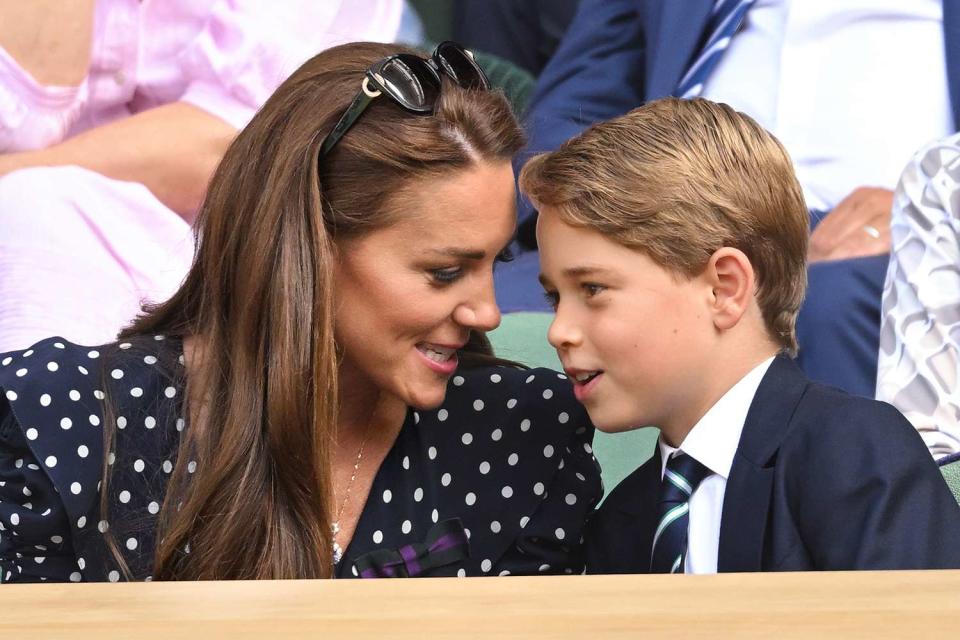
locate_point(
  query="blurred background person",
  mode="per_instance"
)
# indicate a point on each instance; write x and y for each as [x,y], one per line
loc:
[113,116]
[919,365]
[525,32]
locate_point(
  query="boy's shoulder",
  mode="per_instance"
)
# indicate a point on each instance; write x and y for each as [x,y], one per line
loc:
[791,412]
[830,417]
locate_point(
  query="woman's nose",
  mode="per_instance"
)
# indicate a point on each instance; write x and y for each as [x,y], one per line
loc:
[481,311]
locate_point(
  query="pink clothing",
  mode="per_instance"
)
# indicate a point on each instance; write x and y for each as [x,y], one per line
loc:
[79,252]
[224,56]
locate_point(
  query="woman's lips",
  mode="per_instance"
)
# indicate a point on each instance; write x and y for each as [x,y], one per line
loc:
[440,359]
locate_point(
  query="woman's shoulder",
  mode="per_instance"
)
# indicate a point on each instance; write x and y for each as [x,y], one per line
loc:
[61,395]
[56,362]
[56,398]
[56,383]
[52,385]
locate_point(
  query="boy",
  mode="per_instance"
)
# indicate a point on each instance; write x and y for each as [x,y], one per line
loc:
[672,244]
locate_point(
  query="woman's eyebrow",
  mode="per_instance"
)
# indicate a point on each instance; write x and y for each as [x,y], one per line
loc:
[459,252]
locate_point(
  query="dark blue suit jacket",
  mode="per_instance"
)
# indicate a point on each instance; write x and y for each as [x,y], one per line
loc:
[821,480]
[618,54]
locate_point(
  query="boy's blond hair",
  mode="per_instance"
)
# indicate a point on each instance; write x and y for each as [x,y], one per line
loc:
[679,179]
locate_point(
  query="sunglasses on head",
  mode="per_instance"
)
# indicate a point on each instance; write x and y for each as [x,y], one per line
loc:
[412,82]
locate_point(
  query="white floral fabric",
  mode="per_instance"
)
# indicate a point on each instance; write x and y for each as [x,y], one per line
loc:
[919,361]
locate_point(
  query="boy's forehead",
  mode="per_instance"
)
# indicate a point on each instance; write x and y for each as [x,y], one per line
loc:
[551,222]
[572,251]
[554,231]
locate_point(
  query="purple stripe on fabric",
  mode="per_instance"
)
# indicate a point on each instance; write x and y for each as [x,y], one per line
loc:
[448,541]
[385,571]
[409,555]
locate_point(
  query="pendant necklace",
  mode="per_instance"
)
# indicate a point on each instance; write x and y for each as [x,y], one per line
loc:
[335,525]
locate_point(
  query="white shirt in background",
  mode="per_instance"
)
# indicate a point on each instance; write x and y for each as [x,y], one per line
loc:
[851,87]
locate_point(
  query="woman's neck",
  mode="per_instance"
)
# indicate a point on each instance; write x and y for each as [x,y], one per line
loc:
[366,410]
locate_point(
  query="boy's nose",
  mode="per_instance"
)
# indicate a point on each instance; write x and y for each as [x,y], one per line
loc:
[562,334]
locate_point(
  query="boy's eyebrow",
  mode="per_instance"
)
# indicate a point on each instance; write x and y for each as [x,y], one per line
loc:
[578,272]
[585,270]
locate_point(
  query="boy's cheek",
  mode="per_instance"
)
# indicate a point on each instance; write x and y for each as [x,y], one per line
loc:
[612,414]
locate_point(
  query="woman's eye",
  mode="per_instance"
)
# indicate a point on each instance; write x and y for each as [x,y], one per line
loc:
[552,298]
[446,276]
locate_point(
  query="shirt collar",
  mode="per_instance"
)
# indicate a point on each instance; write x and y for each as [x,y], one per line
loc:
[714,439]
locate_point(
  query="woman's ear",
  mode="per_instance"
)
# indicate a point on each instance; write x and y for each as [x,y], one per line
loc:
[733,283]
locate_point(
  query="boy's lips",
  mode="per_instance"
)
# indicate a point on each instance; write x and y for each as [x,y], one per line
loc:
[584,381]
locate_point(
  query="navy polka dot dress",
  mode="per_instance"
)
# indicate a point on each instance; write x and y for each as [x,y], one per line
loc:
[499,480]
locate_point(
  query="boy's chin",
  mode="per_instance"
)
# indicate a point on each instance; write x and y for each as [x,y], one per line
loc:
[613,424]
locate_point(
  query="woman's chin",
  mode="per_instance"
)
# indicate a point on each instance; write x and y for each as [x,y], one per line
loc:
[426,398]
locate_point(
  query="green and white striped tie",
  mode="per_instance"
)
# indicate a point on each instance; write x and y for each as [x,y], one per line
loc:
[680,479]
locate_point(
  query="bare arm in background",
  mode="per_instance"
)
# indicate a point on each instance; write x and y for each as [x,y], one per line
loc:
[172,149]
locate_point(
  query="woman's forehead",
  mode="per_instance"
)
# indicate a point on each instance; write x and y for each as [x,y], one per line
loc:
[470,205]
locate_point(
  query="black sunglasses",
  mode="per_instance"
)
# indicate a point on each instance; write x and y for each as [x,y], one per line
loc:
[412,82]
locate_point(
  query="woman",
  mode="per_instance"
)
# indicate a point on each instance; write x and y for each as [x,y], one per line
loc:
[296,409]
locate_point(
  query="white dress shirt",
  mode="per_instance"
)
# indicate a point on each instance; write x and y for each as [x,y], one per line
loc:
[852,88]
[713,442]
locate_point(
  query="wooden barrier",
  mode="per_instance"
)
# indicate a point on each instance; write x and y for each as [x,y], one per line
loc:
[909,604]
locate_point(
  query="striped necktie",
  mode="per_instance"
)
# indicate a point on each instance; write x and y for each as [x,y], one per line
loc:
[680,479]
[725,19]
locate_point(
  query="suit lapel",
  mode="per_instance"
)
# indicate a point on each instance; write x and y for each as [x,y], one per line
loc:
[746,502]
[673,43]
[951,42]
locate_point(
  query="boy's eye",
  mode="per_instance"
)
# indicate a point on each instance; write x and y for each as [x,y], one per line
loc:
[552,298]
[592,289]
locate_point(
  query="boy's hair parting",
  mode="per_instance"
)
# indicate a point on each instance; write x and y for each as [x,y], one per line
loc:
[679,179]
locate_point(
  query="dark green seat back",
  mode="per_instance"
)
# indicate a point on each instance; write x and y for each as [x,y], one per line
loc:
[951,473]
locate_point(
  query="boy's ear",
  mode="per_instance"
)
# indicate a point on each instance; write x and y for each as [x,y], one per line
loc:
[732,280]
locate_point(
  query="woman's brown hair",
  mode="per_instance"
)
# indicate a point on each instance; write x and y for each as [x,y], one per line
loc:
[259,300]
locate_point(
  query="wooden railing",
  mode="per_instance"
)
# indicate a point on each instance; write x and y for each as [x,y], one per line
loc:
[912,605]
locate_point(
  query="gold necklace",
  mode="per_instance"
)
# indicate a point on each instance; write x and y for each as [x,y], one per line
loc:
[335,525]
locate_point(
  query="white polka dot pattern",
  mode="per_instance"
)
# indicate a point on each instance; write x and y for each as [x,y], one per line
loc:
[501,455]
[504,459]
[64,430]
